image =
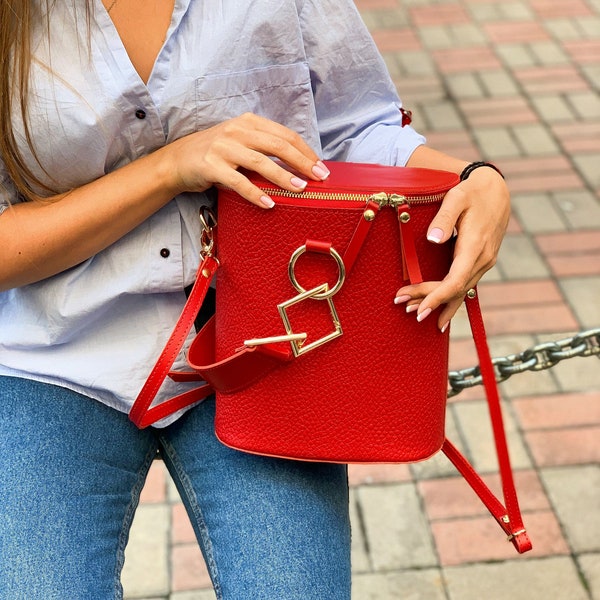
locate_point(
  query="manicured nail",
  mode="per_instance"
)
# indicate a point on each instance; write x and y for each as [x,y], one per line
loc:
[267,202]
[321,171]
[412,307]
[299,183]
[445,326]
[424,314]
[435,235]
[401,299]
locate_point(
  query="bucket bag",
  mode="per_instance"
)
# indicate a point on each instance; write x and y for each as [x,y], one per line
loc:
[307,354]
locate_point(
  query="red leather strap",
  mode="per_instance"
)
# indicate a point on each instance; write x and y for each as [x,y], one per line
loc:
[508,516]
[412,270]
[168,407]
[141,412]
[239,370]
[360,234]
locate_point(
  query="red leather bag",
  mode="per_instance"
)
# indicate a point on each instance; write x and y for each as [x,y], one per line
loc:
[308,355]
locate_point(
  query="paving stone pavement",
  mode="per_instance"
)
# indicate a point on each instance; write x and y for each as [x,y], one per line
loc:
[514,82]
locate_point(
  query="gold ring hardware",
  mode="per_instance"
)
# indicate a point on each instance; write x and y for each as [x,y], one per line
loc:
[472,293]
[327,293]
[318,293]
[207,238]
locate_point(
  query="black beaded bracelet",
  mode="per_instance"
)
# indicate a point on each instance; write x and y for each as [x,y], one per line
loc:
[475,165]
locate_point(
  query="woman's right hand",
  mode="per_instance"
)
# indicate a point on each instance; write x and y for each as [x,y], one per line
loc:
[213,156]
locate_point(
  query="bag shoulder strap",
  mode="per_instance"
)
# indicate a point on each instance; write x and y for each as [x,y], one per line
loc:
[508,516]
[142,414]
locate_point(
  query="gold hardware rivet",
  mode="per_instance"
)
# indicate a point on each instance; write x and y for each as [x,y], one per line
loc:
[404,217]
[205,273]
[369,215]
[505,519]
[472,294]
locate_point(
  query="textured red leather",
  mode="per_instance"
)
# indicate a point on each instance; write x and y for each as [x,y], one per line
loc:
[378,392]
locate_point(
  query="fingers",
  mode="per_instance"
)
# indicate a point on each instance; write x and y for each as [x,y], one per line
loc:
[421,304]
[258,123]
[478,209]
[269,139]
[232,156]
[443,225]
[464,274]
[250,142]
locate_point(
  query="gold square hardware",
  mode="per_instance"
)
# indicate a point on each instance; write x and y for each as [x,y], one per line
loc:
[298,347]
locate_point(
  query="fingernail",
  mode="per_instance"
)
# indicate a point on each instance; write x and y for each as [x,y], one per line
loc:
[411,308]
[435,235]
[445,326]
[321,171]
[299,183]
[424,315]
[267,202]
[401,299]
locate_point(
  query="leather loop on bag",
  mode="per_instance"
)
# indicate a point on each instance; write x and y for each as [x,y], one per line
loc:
[409,252]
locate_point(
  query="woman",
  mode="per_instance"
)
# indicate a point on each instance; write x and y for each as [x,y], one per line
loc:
[117,119]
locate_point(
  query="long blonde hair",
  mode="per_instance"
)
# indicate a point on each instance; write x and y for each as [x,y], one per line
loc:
[17,19]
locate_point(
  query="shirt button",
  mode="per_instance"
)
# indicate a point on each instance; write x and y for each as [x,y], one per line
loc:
[165,253]
[140,114]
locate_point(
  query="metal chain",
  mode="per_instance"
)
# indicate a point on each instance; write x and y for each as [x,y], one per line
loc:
[537,358]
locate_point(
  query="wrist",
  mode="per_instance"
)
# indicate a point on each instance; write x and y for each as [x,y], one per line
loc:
[466,172]
[165,172]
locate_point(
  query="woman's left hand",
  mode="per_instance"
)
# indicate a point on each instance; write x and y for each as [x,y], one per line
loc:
[478,209]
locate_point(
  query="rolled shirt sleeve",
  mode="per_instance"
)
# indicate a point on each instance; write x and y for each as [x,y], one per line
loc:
[358,108]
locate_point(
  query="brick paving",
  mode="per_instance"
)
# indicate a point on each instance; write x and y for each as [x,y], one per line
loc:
[516,83]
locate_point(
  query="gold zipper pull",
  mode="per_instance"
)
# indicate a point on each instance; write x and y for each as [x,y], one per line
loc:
[396,200]
[401,205]
[380,198]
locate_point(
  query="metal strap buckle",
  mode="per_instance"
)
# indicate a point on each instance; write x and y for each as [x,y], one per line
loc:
[512,536]
[208,222]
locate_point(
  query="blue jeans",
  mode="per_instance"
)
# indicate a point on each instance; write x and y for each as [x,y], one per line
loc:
[71,472]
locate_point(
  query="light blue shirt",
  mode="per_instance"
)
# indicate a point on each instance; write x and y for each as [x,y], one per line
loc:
[310,64]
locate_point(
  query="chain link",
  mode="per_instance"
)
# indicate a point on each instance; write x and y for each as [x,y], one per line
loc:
[537,358]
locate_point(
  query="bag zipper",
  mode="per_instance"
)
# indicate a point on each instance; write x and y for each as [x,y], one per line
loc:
[381,198]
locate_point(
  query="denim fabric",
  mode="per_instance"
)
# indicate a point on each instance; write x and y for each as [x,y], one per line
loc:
[71,472]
